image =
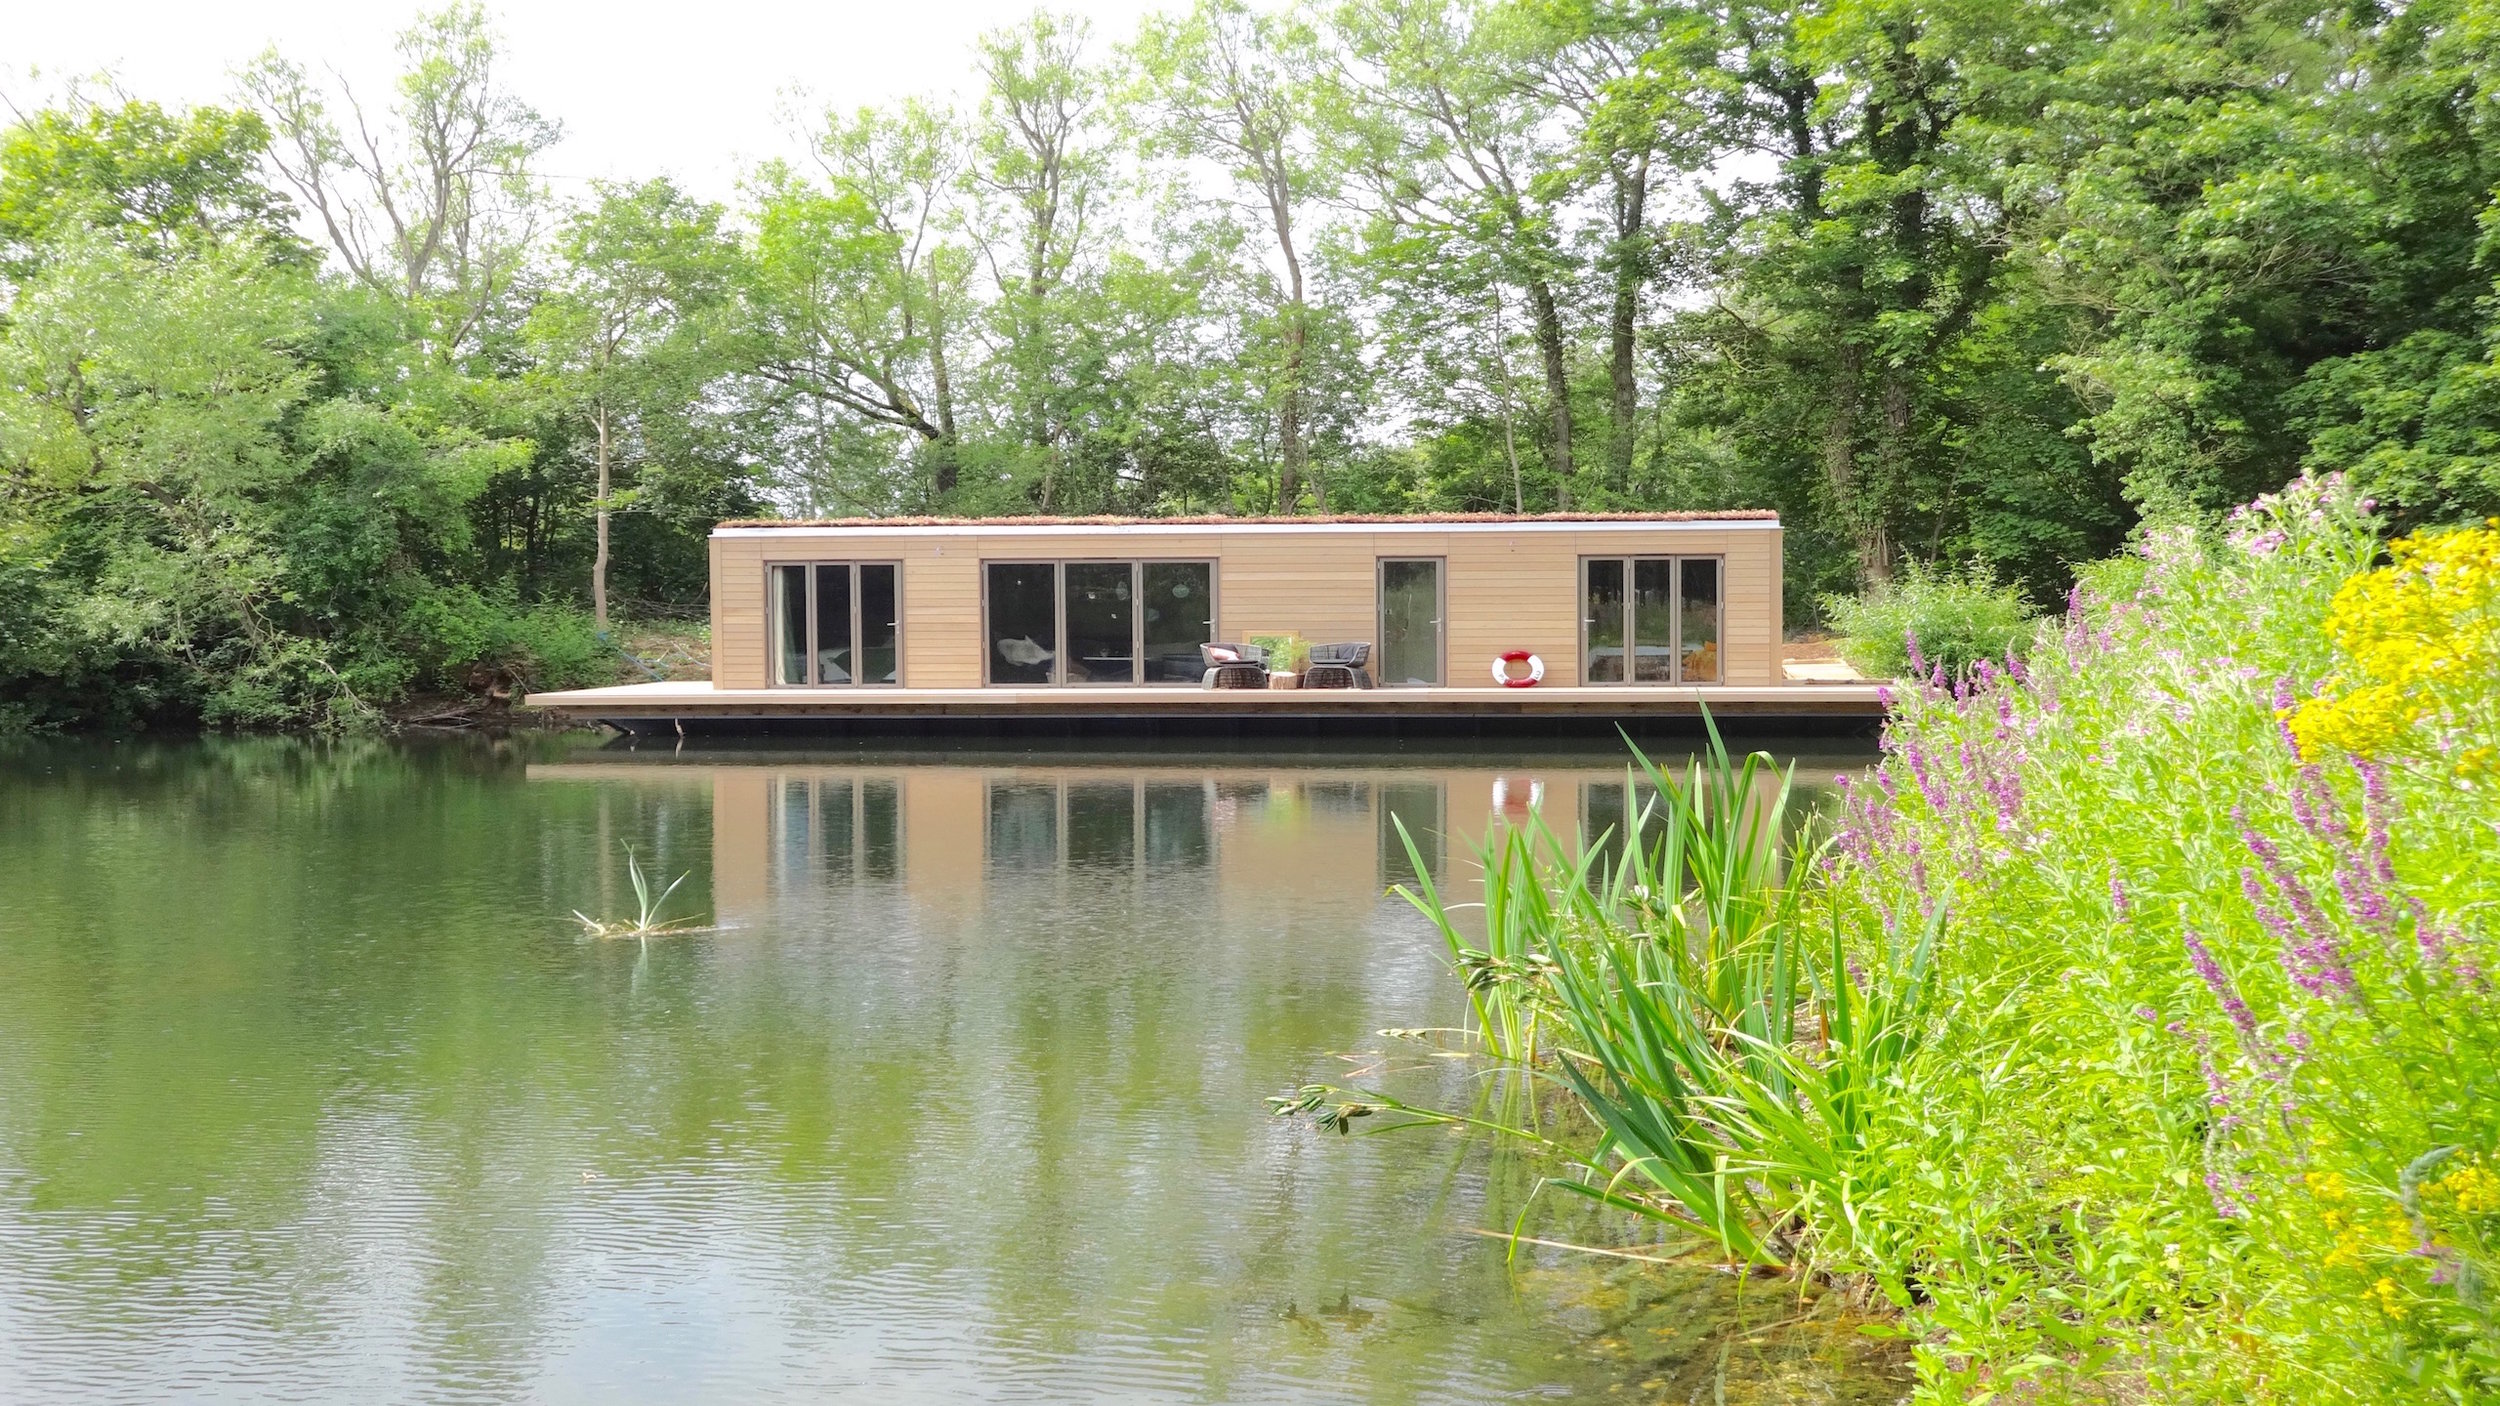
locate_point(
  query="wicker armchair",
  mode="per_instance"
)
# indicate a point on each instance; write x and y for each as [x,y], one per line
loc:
[1338,666]
[1233,666]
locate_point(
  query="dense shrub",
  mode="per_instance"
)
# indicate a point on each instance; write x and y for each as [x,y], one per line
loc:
[1929,618]
[2214,1117]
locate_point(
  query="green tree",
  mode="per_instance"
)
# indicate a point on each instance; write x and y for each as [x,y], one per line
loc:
[435,202]
[1228,85]
[626,331]
[1043,164]
[1437,127]
[143,177]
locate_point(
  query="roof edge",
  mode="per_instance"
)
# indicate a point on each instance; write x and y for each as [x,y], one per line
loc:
[1211,520]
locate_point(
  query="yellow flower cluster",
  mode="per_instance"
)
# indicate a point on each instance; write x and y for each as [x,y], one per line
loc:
[2476,1190]
[2421,637]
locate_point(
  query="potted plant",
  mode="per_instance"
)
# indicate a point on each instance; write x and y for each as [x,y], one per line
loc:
[1287,656]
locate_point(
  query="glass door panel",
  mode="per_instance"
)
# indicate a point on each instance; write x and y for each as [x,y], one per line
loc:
[880,626]
[1102,622]
[1023,629]
[1410,622]
[1653,621]
[790,624]
[1700,620]
[1179,617]
[1602,615]
[833,624]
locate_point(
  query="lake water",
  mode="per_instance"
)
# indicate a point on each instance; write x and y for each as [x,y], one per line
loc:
[310,1087]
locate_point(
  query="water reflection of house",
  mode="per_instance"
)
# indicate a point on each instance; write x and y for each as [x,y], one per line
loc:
[949,836]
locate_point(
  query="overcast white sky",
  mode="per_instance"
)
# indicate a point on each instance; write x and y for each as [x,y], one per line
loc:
[690,90]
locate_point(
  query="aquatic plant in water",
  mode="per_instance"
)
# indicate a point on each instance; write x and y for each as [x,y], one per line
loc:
[1674,981]
[647,922]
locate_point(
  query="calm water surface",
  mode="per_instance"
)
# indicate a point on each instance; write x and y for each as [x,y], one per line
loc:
[309,1088]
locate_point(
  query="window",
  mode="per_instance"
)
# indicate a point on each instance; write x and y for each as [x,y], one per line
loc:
[1097,622]
[836,623]
[1650,620]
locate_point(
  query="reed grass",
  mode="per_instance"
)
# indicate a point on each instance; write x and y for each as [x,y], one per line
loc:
[1673,981]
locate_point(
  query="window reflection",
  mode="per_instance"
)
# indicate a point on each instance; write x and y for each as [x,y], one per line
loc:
[1337,797]
[1422,807]
[1102,826]
[881,830]
[837,828]
[1024,825]
[1177,826]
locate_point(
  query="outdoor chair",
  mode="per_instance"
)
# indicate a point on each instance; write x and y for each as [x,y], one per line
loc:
[1338,666]
[1233,666]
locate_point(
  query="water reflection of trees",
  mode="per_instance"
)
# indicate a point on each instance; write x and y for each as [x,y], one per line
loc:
[301,1046]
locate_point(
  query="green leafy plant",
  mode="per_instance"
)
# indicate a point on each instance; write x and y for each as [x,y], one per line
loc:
[1671,981]
[1286,654]
[1930,617]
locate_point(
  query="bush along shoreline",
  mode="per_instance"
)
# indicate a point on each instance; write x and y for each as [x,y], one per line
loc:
[2132,1029]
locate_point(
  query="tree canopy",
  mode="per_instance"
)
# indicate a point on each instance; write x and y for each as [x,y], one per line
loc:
[319,399]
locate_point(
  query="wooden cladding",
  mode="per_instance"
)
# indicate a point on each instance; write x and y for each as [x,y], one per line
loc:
[1503,586]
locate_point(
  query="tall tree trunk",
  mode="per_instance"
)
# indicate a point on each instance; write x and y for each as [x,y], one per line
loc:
[1859,503]
[1510,436]
[599,562]
[1840,443]
[1297,334]
[1549,344]
[1289,417]
[949,468]
[1631,271]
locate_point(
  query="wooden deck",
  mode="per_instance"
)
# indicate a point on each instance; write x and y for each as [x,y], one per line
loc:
[698,707]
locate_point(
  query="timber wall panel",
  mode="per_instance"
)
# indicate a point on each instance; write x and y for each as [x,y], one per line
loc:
[1504,587]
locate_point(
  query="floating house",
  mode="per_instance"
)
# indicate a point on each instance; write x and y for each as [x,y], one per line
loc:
[1467,617]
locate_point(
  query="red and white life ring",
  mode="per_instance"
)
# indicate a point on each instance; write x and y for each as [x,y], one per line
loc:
[1503,661]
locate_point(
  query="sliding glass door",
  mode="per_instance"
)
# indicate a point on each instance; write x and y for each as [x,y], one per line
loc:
[1096,622]
[1650,620]
[836,623]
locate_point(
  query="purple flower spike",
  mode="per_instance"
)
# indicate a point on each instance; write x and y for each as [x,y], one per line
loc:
[2242,1019]
[2282,705]
[1918,661]
[2377,809]
[2225,1205]
[2118,894]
